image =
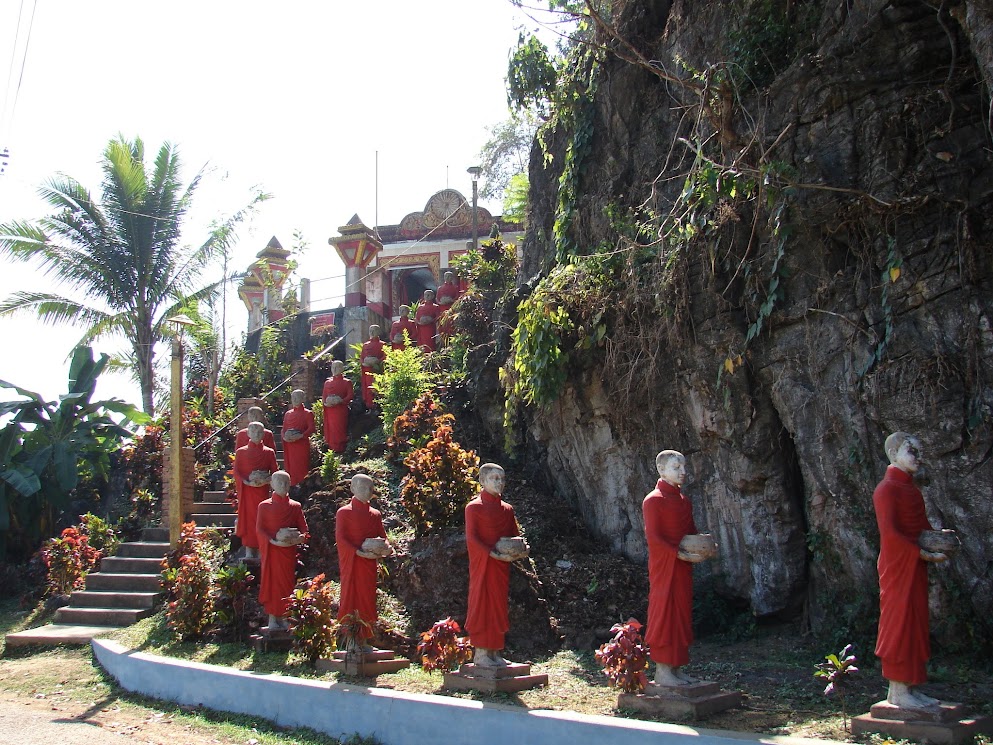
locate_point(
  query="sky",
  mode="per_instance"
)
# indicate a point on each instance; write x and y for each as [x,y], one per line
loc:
[296,98]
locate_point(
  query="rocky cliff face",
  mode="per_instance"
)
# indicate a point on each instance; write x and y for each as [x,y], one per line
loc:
[874,305]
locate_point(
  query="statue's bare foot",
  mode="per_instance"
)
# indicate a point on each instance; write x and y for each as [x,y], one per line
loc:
[482,657]
[925,698]
[666,675]
[900,694]
[497,660]
[684,677]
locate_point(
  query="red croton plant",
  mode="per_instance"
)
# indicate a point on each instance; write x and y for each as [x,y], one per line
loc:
[625,657]
[441,647]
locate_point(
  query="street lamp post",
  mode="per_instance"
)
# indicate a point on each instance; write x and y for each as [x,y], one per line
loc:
[474,171]
[176,430]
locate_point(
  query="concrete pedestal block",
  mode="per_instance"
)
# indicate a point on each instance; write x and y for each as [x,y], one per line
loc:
[272,640]
[949,724]
[692,701]
[364,664]
[509,678]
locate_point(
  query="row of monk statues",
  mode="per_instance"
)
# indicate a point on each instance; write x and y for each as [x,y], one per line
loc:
[269,519]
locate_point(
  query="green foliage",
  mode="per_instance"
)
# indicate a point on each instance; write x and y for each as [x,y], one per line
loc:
[188,579]
[837,670]
[250,375]
[330,468]
[515,198]
[68,559]
[505,157]
[312,622]
[230,592]
[768,36]
[625,658]
[531,77]
[414,427]
[441,647]
[48,446]
[123,253]
[404,378]
[492,268]
[440,483]
[99,534]
[890,274]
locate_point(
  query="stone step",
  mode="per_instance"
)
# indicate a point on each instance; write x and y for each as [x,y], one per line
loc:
[211,508]
[101,616]
[131,564]
[143,549]
[105,581]
[155,535]
[215,497]
[214,520]
[90,599]
[56,634]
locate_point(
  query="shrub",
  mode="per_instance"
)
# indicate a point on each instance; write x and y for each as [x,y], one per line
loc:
[441,647]
[230,596]
[625,657]
[330,468]
[188,579]
[414,427]
[99,534]
[403,380]
[353,630]
[441,481]
[67,559]
[836,670]
[312,622]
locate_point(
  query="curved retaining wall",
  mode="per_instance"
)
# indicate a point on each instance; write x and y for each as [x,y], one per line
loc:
[392,717]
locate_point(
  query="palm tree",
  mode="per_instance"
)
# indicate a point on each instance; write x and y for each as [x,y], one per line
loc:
[122,255]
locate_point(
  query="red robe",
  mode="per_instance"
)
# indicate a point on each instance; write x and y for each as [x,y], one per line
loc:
[251,457]
[426,331]
[487,520]
[296,454]
[336,417]
[669,633]
[372,348]
[447,290]
[355,522]
[279,563]
[240,440]
[902,643]
[397,329]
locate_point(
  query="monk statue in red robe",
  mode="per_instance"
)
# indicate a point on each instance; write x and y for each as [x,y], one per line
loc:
[403,324]
[426,319]
[668,517]
[361,542]
[373,355]
[280,528]
[337,395]
[902,643]
[298,426]
[448,293]
[490,525]
[253,414]
[253,464]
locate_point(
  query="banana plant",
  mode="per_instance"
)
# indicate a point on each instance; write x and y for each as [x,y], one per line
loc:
[45,445]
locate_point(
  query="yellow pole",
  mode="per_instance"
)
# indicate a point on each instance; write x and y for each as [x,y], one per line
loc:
[176,445]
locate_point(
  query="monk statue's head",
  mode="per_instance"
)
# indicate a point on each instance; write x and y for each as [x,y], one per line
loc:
[492,478]
[671,466]
[373,331]
[255,431]
[297,397]
[363,487]
[404,311]
[337,367]
[450,278]
[280,483]
[255,414]
[904,452]
[428,296]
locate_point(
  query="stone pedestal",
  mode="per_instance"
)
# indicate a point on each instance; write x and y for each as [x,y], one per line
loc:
[949,724]
[509,678]
[272,640]
[364,664]
[691,701]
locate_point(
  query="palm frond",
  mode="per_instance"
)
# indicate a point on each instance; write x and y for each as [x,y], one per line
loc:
[51,308]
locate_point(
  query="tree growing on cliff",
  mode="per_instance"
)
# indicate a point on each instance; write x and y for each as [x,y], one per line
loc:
[120,256]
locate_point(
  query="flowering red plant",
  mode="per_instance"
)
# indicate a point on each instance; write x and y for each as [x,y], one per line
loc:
[68,558]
